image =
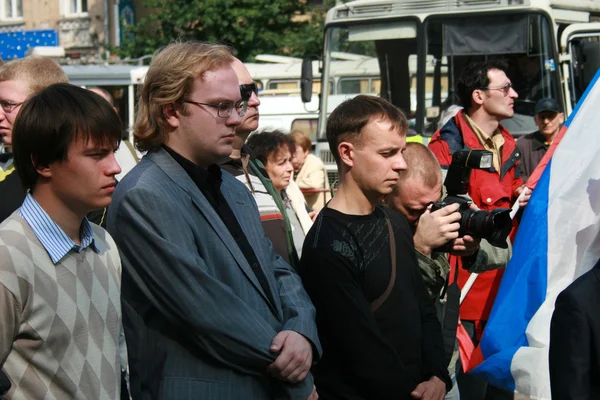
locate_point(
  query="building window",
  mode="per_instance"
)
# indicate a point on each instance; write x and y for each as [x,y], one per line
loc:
[11,9]
[74,7]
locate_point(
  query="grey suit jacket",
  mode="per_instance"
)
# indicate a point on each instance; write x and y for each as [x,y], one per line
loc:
[197,321]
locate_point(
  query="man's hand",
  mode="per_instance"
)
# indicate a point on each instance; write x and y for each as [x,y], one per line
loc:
[525,199]
[433,389]
[465,246]
[436,228]
[294,361]
[313,395]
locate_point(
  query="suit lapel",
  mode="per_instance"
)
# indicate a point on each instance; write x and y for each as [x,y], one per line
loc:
[182,179]
[232,191]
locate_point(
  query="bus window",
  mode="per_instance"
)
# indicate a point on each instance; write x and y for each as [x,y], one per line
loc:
[286,85]
[376,86]
[383,50]
[430,81]
[354,86]
[306,126]
[522,40]
[291,86]
[316,86]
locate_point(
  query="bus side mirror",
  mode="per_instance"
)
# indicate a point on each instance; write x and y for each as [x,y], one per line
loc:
[306,80]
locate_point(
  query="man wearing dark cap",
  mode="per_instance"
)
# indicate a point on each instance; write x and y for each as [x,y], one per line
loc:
[549,119]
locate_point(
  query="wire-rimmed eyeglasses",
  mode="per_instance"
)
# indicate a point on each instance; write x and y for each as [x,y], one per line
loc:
[9,106]
[224,108]
[504,88]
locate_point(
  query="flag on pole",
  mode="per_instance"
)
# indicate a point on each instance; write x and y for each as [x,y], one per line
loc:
[557,241]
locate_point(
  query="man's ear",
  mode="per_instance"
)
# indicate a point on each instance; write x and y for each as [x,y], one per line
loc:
[44,170]
[561,117]
[346,152]
[172,115]
[477,96]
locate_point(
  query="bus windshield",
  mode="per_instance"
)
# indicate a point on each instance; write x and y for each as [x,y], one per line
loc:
[418,74]
[524,41]
[377,59]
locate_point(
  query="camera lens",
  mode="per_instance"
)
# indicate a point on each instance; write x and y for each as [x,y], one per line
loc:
[494,226]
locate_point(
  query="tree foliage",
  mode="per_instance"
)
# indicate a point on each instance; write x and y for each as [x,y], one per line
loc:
[251,26]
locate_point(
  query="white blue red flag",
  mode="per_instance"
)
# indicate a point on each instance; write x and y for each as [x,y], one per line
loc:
[557,241]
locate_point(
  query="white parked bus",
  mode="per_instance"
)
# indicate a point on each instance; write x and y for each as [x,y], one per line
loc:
[278,79]
[119,80]
[552,48]
[281,106]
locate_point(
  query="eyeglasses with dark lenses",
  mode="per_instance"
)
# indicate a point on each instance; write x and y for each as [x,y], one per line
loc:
[504,88]
[247,89]
[224,108]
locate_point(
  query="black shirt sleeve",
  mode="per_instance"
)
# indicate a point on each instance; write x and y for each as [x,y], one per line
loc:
[12,195]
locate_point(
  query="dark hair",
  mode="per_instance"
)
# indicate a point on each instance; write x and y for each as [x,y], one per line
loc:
[475,76]
[451,100]
[51,120]
[266,143]
[349,118]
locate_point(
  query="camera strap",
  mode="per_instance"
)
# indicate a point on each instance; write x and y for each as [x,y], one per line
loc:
[375,304]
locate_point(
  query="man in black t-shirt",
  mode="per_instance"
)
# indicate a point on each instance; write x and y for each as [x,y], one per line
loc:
[378,327]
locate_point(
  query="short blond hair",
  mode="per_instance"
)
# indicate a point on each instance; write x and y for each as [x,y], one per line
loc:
[301,140]
[423,166]
[37,72]
[168,80]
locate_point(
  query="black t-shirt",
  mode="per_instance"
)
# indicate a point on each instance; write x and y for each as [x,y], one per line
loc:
[209,182]
[12,195]
[345,266]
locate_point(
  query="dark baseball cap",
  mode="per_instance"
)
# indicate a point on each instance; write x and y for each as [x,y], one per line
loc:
[546,104]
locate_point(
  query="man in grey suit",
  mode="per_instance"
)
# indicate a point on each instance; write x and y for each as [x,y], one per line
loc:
[210,312]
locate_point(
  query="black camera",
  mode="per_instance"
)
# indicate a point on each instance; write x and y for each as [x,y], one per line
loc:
[495,225]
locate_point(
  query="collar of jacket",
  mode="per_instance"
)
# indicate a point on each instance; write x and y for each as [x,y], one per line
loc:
[459,135]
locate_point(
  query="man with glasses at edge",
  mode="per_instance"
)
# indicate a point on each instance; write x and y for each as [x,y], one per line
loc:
[251,172]
[488,98]
[210,312]
[19,79]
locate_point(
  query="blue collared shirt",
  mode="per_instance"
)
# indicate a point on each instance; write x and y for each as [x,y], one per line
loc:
[53,238]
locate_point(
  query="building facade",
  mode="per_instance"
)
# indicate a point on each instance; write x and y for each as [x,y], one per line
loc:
[85,29]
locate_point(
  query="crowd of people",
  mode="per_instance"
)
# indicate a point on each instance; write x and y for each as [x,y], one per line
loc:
[205,272]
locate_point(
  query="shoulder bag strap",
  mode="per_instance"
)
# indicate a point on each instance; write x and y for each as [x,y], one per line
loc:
[375,304]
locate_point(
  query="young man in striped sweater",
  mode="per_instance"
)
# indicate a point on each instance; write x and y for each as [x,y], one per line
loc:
[60,310]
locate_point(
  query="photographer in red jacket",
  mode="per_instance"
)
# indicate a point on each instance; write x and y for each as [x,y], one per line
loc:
[488,97]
